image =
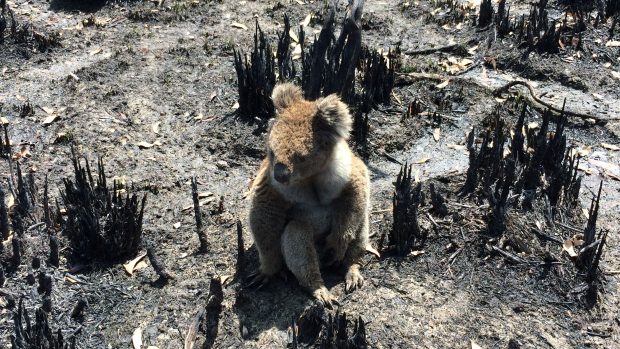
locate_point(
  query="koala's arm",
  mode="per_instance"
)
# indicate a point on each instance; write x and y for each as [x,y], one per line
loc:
[267,221]
[349,233]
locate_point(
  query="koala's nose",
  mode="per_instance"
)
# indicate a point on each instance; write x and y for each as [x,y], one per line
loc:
[281,173]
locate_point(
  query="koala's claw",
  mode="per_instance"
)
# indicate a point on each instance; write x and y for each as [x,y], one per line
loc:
[257,280]
[353,281]
[325,297]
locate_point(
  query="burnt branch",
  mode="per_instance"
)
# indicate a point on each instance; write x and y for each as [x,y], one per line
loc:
[202,236]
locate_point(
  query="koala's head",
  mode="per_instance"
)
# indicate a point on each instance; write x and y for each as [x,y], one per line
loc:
[304,134]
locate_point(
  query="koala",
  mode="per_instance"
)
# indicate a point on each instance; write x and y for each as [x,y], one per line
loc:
[310,199]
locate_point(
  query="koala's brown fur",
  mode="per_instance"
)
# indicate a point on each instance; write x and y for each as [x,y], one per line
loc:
[310,198]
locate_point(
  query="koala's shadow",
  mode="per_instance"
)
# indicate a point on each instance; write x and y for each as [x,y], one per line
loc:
[274,305]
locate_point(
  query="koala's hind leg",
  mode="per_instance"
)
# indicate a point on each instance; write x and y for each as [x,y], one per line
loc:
[301,259]
[267,220]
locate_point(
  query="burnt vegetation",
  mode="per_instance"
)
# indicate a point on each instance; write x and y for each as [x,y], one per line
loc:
[526,171]
[103,224]
[21,37]
[362,77]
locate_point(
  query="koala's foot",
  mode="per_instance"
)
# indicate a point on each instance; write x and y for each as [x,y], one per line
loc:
[258,279]
[353,279]
[325,297]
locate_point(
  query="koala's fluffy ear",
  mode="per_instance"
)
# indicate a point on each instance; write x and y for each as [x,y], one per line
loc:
[336,114]
[284,95]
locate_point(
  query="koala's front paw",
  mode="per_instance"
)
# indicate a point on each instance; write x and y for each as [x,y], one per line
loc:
[353,280]
[325,297]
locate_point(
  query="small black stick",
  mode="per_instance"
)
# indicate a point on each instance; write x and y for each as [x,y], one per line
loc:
[201,235]
[17,255]
[159,267]
[4,218]
[46,207]
[240,247]
[54,255]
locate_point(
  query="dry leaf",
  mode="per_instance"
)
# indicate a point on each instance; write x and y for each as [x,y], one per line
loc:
[610,146]
[612,175]
[239,25]
[605,166]
[475,346]
[235,106]
[612,43]
[436,134]
[457,146]
[48,120]
[48,110]
[96,51]
[155,127]
[416,253]
[212,96]
[225,278]
[204,194]
[145,145]
[24,152]
[296,54]
[136,338]
[443,84]
[569,247]
[4,121]
[176,225]
[131,266]
[615,74]
[585,169]
[70,279]
[581,152]
[306,21]
[10,202]
[293,35]
[421,161]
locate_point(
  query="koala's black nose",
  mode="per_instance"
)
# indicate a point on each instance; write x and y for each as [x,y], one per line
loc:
[281,173]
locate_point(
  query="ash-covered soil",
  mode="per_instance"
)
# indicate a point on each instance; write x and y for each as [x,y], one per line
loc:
[151,88]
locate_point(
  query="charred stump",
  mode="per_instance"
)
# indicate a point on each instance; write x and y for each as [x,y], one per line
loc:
[485,16]
[214,309]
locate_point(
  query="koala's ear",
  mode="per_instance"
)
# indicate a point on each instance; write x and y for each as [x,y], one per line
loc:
[284,95]
[336,115]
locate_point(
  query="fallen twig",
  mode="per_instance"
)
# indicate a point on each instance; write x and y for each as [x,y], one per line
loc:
[160,269]
[498,91]
[508,255]
[201,234]
[544,236]
[410,78]
[190,338]
[458,48]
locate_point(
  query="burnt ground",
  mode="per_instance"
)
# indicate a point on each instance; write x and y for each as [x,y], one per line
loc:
[152,90]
